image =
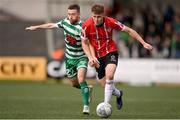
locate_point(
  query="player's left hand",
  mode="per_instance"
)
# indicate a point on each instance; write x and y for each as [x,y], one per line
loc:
[31,28]
[147,46]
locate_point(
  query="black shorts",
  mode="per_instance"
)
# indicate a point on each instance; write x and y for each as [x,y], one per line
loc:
[110,58]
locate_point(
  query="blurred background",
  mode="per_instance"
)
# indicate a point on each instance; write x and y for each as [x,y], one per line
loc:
[150,80]
[158,22]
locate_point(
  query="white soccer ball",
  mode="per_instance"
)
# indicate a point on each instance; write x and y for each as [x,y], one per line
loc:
[104,110]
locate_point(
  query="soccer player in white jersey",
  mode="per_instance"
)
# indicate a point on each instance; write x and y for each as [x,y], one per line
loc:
[76,60]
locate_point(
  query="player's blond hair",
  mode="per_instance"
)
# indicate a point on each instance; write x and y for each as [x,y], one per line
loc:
[97,9]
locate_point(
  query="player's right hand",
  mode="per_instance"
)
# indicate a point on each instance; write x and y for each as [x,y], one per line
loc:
[31,28]
[93,62]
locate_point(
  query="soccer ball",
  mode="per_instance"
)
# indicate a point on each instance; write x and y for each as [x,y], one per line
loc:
[104,110]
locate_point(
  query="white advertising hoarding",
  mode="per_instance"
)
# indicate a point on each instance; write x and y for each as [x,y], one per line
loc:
[137,71]
[147,71]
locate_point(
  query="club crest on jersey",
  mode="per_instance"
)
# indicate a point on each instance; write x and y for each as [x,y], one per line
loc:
[113,58]
[109,30]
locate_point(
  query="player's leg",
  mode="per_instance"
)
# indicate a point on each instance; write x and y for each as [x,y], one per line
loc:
[115,91]
[109,86]
[83,84]
[84,89]
[110,89]
[71,72]
[106,73]
[81,74]
[76,72]
[81,80]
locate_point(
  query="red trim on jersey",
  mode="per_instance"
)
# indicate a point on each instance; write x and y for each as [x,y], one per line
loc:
[101,37]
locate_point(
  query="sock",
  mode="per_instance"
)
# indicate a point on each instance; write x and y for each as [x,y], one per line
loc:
[116,92]
[85,93]
[108,90]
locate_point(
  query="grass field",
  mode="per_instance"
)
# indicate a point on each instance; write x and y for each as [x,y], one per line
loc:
[28,100]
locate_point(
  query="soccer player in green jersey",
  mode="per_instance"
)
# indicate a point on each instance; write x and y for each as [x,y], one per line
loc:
[76,60]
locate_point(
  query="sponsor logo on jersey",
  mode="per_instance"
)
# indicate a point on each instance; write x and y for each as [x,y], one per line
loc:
[71,39]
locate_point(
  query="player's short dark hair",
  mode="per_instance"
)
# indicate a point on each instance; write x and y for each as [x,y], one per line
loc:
[97,9]
[74,7]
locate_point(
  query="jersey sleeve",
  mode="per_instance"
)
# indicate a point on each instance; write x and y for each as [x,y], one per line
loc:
[84,32]
[60,24]
[117,25]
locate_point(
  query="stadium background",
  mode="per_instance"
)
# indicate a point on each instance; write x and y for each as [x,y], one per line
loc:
[34,56]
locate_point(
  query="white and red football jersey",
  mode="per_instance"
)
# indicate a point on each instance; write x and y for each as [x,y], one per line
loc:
[101,36]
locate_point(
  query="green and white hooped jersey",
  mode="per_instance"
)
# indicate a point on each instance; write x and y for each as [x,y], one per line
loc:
[72,39]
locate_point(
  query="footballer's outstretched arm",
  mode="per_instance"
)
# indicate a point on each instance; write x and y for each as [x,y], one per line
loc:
[43,26]
[136,36]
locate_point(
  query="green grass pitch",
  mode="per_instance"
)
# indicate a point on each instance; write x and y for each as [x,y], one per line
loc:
[36,100]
